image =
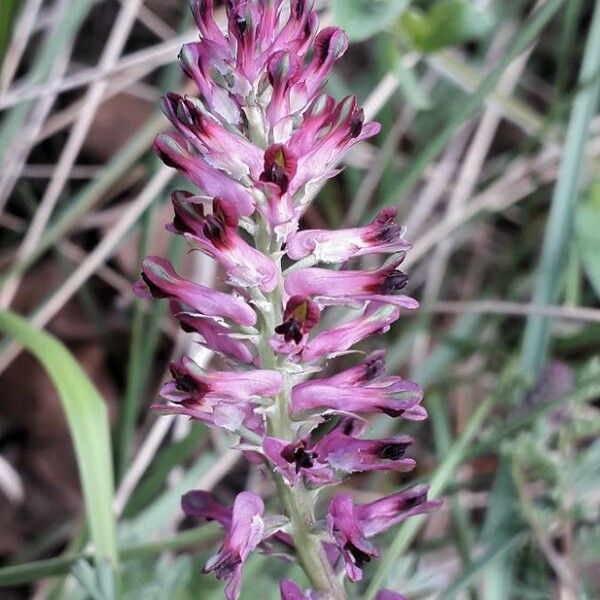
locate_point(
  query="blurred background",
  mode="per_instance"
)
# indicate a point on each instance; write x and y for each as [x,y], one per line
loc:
[490,150]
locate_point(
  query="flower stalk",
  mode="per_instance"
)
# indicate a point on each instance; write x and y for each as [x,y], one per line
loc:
[255,142]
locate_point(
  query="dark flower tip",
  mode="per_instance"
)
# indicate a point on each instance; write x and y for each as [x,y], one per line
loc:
[298,455]
[356,123]
[417,499]
[185,383]
[155,290]
[280,167]
[301,315]
[373,366]
[393,451]
[360,558]
[394,281]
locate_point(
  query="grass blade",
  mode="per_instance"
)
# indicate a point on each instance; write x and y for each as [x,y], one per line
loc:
[87,418]
[7,10]
[560,224]
[53,567]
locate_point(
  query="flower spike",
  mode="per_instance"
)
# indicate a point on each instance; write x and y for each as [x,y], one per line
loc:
[254,141]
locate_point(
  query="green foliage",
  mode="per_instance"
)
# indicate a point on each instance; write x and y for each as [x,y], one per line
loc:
[168,580]
[410,86]
[7,10]
[87,418]
[587,235]
[363,19]
[98,583]
[446,23]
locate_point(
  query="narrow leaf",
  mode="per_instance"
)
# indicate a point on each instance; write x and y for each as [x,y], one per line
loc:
[87,419]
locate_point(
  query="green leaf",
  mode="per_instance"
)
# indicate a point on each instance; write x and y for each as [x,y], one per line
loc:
[587,228]
[87,419]
[52,567]
[408,83]
[497,548]
[362,19]
[447,23]
[99,583]
[559,229]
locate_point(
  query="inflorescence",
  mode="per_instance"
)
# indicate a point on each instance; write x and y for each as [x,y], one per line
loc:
[257,142]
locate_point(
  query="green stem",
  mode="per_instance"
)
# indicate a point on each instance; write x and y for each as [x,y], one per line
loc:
[311,556]
[298,501]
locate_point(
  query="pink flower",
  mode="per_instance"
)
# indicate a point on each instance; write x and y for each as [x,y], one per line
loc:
[174,151]
[202,505]
[216,234]
[376,319]
[257,138]
[336,128]
[380,515]
[297,459]
[244,534]
[346,287]
[300,316]
[351,394]
[343,451]
[221,148]
[351,524]
[225,398]
[292,591]
[201,59]
[347,532]
[161,281]
[280,166]
[215,336]
[381,236]
[191,381]
[389,595]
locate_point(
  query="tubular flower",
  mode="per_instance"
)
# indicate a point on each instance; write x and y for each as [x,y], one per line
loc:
[381,236]
[351,525]
[255,142]
[244,533]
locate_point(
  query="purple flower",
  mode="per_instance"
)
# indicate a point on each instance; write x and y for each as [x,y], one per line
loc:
[336,128]
[216,234]
[350,525]
[256,139]
[161,281]
[376,319]
[280,166]
[300,316]
[244,534]
[389,595]
[202,505]
[381,236]
[297,459]
[192,382]
[215,336]
[353,393]
[335,287]
[221,148]
[198,60]
[343,451]
[292,591]
[174,151]
[349,536]
[222,398]
[380,515]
